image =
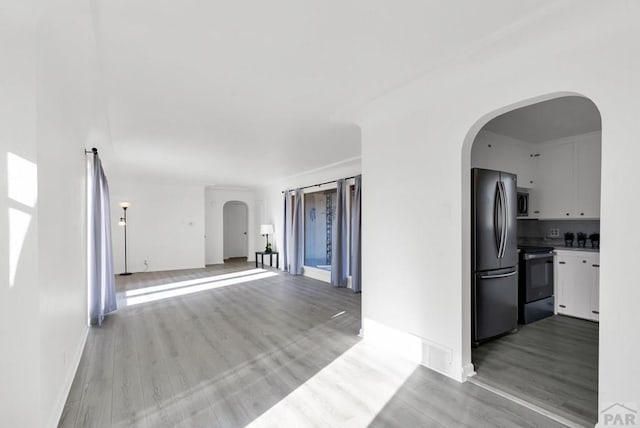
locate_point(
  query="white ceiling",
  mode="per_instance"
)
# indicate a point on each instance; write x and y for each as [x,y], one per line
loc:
[548,120]
[241,93]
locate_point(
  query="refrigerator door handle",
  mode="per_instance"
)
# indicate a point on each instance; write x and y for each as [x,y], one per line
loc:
[505,217]
[501,225]
[502,275]
[496,219]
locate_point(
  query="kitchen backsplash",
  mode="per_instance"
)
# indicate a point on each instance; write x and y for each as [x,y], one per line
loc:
[538,232]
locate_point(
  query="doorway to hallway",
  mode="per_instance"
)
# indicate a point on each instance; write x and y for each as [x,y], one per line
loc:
[235,225]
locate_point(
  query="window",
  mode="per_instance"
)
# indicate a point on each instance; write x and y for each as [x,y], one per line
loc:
[319,211]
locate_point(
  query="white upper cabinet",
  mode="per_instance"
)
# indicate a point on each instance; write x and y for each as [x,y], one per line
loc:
[568,183]
[563,176]
[588,158]
[501,153]
[556,182]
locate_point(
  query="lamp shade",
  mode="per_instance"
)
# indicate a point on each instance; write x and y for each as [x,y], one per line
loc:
[266,229]
[125,204]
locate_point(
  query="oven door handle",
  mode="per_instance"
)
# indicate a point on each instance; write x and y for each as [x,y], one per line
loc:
[503,275]
[538,256]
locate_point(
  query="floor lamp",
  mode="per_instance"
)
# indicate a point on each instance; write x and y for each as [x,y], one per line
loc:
[123,222]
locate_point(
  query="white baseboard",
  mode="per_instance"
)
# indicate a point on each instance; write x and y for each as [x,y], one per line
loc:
[319,274]
[56,414]
[432,355]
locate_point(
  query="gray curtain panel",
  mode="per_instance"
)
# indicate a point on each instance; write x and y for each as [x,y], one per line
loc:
[356,238]
[296,245]
[339,249]
[286,239]
[102,288]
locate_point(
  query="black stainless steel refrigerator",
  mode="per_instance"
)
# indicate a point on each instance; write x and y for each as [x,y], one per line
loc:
[494,246]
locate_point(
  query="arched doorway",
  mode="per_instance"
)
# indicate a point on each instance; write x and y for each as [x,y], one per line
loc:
[552,144]
[235,216]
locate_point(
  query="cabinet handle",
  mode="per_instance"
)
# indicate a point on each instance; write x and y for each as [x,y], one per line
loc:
[536,212]
[567,213]
[562,306]
[595,265]
[581,213]
[562,263]
[584,261]
[595,312]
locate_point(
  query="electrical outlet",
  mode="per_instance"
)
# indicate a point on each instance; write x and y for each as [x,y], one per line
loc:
[554,233]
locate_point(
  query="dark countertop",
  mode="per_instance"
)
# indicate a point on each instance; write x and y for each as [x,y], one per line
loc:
[558,246]
[584,249]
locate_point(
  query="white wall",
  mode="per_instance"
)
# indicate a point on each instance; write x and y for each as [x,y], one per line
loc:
[416,149]
[215,199]
[70,117]
[19,308]
[49,111]
[271,198]
[165,225]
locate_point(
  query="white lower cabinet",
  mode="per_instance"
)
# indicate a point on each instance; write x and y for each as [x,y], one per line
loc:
[577,283]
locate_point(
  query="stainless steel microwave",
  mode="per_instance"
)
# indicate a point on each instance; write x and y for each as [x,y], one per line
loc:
[523,204]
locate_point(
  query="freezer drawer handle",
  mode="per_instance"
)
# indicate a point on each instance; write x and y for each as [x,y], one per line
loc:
[562,263]
[504,275]
[595,265]
[562,306]
[595,312]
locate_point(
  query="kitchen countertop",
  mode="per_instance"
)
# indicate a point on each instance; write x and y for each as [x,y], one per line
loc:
[559,247]
[582,249]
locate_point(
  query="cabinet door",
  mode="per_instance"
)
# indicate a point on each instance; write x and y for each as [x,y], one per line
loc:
[588,151]
[565,279]
[595,289]
[500,153]
[584,281]
[556,181]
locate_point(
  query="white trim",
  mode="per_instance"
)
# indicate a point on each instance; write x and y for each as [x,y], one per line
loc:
[315,273]
[560,419]
[434,356]
[58,408]
[468,371]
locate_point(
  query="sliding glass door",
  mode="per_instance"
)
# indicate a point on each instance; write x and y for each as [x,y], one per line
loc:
[319,211]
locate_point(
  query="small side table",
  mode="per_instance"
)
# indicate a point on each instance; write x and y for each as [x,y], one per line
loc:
[262,254]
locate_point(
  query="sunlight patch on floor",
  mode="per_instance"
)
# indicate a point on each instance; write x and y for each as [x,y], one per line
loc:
[349,392]
[199,287]
[186,283]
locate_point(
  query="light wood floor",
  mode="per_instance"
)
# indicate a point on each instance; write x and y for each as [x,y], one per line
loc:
[552,363]
[278,351]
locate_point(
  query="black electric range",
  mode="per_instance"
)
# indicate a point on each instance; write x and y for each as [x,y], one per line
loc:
[535,283]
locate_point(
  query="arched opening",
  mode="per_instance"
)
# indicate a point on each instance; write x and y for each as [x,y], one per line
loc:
[235,219]
[530,323]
